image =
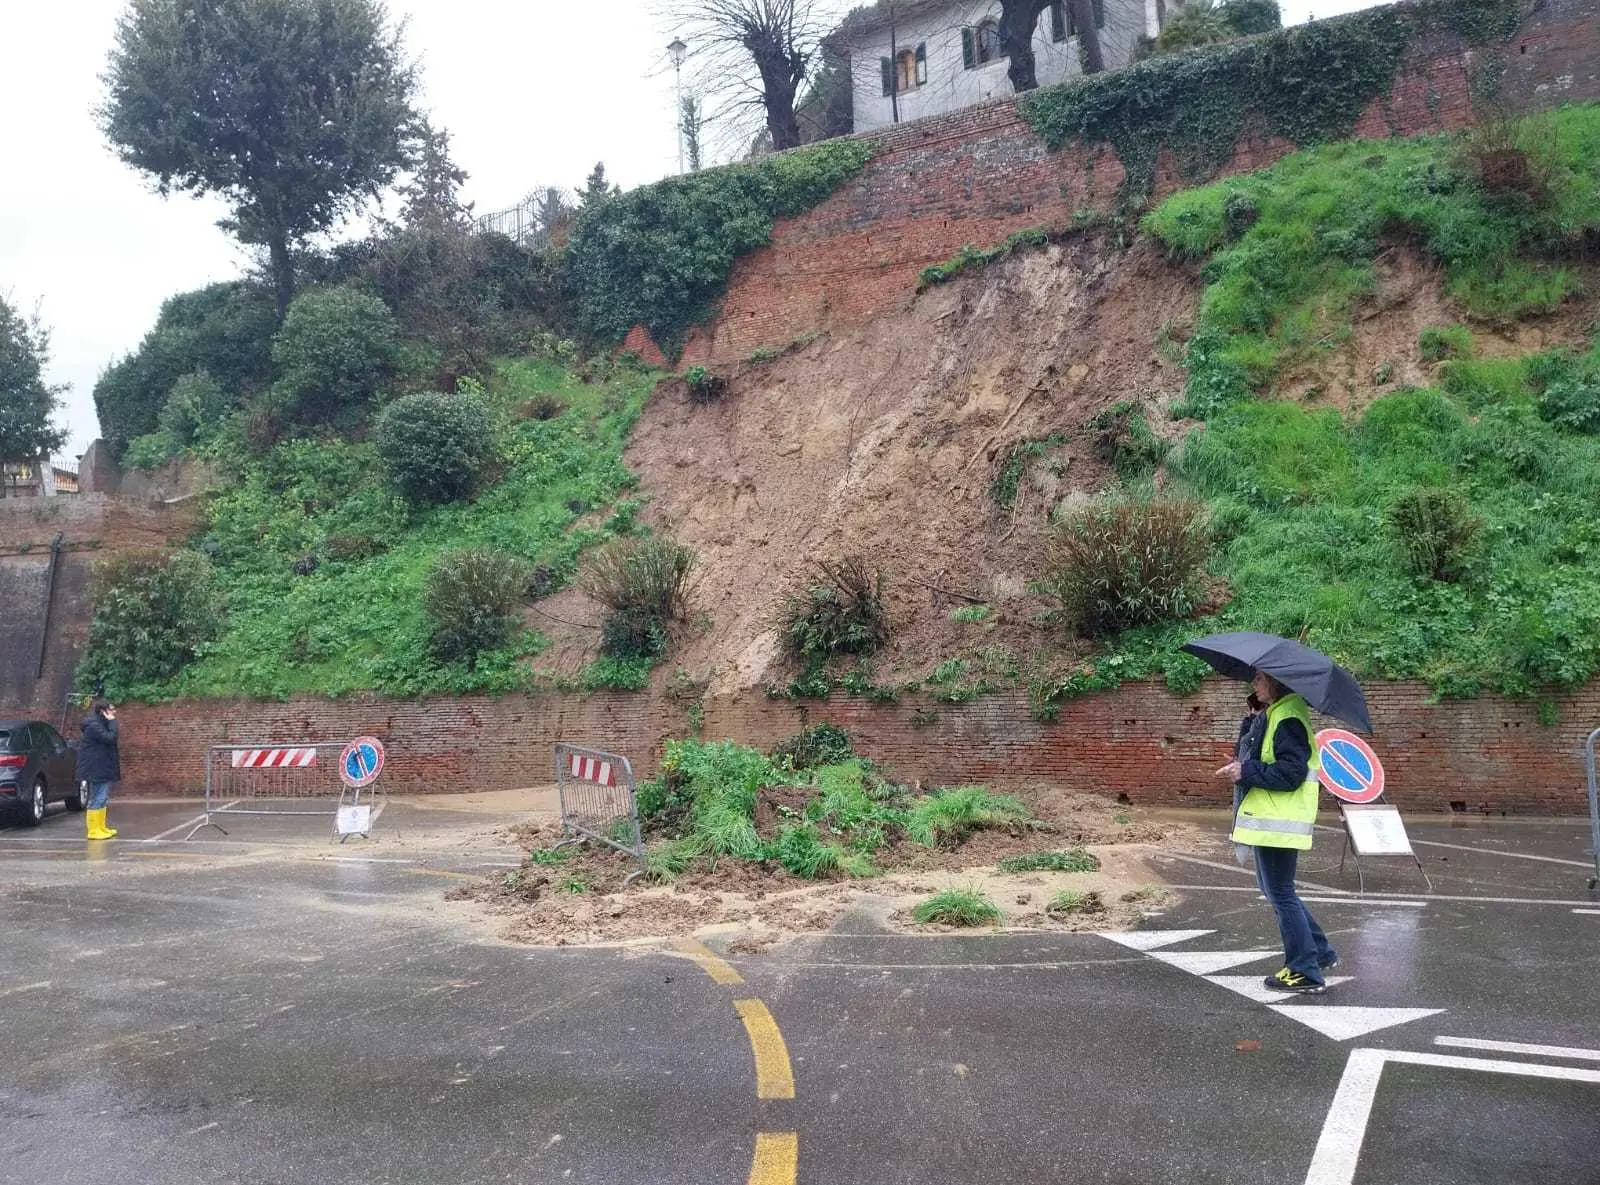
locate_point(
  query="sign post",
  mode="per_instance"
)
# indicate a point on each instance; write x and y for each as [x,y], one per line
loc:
[1352,773]
[359,767]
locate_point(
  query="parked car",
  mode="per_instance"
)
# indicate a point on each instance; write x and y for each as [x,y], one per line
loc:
[37,767]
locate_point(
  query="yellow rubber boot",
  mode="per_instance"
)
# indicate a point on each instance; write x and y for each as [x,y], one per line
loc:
[96,824]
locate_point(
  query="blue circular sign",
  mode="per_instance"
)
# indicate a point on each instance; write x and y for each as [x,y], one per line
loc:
[361,762]
[1349,768]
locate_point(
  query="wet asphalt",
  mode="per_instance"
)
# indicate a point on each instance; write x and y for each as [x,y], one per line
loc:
[211,1012]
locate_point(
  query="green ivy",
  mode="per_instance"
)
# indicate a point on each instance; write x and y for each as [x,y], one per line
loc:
[1308,85]
[971,258]
[660,255]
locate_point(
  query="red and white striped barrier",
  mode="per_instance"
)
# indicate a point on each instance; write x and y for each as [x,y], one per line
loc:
[274,758]
[590,769]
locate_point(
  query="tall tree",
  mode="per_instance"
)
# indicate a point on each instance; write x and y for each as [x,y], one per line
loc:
[691,119]
[753,55]
[431,196]
[1018,21]
[293,111]
[27,403]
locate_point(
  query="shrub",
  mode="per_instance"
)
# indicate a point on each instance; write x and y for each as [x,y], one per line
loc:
[335,351]
[957,907]
[821,744]
[1440,342]
[1117,564]
[1124,441]
[1071,901]
[194,408]
[1571,395]
[643,580]
[704,387]
[471,599]
[434,446]
[845,615]
[152,614]
[1516,162]
[1436,530]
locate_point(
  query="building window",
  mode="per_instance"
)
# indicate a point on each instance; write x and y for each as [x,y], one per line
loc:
[906,71]
[1062,24]
[980,44]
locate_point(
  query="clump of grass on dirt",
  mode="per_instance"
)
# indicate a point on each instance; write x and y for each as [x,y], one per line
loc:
[957,907]
[1074,901]
[1071,860]
[828,821]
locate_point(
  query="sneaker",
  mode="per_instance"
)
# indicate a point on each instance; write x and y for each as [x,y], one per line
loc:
[1292,981]
[1330,964]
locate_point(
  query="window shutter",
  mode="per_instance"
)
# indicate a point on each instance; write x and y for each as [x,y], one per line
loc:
[888,75]
[922,63]
[1058,21]
[968,54]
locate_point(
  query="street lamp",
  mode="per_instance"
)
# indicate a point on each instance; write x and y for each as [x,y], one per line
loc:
[677,51]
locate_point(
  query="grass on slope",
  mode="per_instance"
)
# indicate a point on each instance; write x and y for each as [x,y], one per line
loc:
[355,622]
[1301,498]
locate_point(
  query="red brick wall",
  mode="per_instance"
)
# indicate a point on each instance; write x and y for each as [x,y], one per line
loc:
[1143,742]
[979,174]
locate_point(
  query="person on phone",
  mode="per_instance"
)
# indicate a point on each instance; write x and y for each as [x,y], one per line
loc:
[99,764]
[1277,816]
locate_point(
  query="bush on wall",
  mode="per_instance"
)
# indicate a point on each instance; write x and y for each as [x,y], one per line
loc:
[660,255]
[152,614]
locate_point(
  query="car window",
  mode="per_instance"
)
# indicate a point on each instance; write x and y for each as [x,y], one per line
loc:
[48,735]
[5,740]
[25,739]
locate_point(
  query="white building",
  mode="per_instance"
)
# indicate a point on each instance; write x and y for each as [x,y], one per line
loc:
[914,58]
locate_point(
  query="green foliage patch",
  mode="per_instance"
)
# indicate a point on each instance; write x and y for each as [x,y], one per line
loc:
[956,907]
[434,446]
[1070,860]
[152,615]
[1308,84]
[975,259]
[660,255]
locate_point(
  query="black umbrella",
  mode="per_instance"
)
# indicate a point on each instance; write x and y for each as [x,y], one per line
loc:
[1327,686]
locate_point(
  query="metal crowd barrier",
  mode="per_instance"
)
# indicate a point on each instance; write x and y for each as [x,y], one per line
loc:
[1594,807]
[276,780]
[598,800]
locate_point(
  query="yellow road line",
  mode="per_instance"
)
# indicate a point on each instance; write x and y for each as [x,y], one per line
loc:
[706,959]
[777,1158]
[463,876]
[774,1079]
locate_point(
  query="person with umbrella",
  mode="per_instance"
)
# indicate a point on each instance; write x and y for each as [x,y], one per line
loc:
[1277,813]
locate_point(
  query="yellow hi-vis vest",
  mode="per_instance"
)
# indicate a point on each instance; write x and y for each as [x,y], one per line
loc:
[1281,818]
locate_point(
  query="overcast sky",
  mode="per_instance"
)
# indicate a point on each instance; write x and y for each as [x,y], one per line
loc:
[83,239]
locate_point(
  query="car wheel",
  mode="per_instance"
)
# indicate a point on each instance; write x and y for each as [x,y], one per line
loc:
[33,809]
[80,800]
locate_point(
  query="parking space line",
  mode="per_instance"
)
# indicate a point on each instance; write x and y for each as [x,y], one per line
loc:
[777,1159]
[26,987]
[200,818]
[1566,1051]
[1457,847]
[774,1077]
[1380,898]
[465,876]
[1343,1132]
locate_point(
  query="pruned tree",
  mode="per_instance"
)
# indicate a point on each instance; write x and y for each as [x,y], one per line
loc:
[27,403]
[1018,21]
[691,121]
[293,111]
[752,56]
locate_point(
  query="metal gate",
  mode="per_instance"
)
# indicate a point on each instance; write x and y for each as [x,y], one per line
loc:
[598,800]
[1594,807]
[277,781]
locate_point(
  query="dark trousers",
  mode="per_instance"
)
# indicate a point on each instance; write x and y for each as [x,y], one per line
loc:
[1305,946]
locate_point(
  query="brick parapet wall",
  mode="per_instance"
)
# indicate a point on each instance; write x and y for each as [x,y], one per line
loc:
[1141,742]
[979,174]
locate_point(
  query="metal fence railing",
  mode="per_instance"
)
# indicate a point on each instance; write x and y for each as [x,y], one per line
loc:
[278,780]
[598,800]
[1594,807]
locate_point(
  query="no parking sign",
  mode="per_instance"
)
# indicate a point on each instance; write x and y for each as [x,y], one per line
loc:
[1350,769]
[359,766]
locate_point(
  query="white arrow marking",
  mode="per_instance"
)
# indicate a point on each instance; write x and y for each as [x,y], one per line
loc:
[1345,1022]
[1204,962]
[1151,939]
[1251,987]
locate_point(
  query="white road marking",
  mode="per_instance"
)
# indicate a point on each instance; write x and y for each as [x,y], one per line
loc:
[1252,988]
[1566,1051]
[1204,962]
[1375,898]
[1364,901]
[1459,847]
[1150,939]
[1591,911]
[1344,1022]
[1234,868]
[200,818]
[26,987]
[1345,1129]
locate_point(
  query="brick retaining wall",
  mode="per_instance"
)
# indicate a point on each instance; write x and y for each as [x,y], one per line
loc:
[1153,747]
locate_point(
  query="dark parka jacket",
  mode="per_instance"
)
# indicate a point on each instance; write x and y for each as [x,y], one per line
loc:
[97,751]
